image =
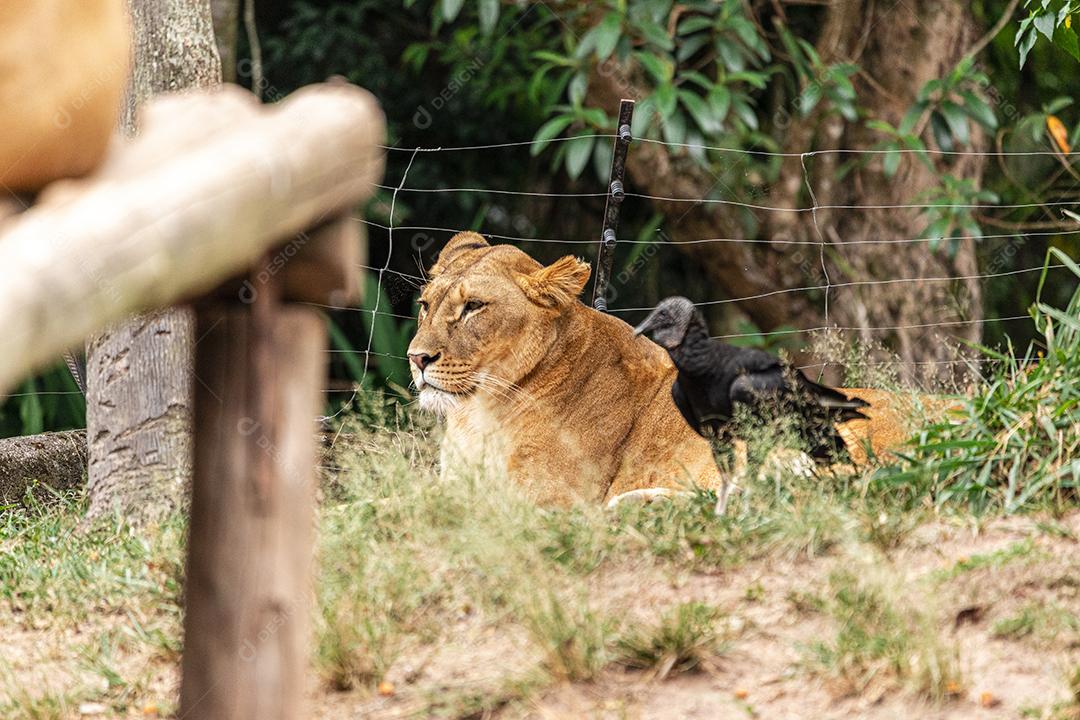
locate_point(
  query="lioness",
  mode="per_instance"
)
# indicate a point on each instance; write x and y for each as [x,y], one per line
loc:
[565,400]
[562,399]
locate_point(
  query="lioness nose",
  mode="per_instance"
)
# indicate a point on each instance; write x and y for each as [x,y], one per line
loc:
[422,360]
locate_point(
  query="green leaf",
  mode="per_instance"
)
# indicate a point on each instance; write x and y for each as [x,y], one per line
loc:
[555,58]
[809,98]
[1045,24]
[415,55]
[1057,105]
[911,118]
[602,160]
[745,112]
[489,15]
[451,8]
[1024,25]
[340,341]
[891,163]
[548,131]
[692,76]
[758,80]
[690,46]
[938,230]
[595,117]
[1025,45]
[942,133]
[957,121]
[578,86]
[661,70]
[730,52]
[577,155]
[720,102]
[1066,40]
[644,115]
[31,412]
[700,111]
[665,99]
[607,35]
[536,82]
[881,126]
[674,128]
[979,110]
[655,34]
[694,24]
[747,32]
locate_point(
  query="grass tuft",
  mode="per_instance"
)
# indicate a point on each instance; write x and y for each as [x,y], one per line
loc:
[880,642]
[685,638]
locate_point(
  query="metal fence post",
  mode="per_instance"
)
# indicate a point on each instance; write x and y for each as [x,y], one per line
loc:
[616,192]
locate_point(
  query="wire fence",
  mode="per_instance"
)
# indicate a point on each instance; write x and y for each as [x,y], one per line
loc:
[822,244]
[380,273]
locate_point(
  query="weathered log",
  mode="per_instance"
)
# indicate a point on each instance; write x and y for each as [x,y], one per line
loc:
[176,212]
[55,460]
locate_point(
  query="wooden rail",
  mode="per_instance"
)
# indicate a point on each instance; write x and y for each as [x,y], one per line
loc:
[213,183]
[243,211]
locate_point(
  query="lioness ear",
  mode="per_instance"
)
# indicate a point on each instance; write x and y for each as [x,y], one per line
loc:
[460,244]
[557,284]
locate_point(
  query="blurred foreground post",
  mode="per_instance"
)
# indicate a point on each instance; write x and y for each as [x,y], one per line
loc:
[260,362]
[246,211]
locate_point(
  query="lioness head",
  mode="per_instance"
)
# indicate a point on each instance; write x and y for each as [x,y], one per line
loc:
[487,317]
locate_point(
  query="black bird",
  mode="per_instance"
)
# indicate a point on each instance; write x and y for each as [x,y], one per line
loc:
[715,377]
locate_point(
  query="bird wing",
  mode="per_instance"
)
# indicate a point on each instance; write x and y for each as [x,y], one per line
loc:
[757,373]
[847,408]
[750,388]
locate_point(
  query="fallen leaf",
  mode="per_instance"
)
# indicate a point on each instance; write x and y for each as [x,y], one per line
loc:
[988,700]
[741,694]
[1058,133]
[386,688]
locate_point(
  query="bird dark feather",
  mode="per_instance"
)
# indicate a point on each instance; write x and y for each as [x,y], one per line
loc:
[714,378]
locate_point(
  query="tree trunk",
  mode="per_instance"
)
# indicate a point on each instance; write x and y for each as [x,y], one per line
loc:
[54,460]
[899,47]
[226,28]
[138,374]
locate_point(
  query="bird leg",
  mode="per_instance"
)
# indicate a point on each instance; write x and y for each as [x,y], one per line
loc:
[731,461]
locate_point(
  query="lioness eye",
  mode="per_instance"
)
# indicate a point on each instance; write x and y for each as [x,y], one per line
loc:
[423,306]
[471,306]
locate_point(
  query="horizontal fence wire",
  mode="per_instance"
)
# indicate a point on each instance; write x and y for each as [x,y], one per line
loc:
[734,203]
[821,243]
[739,151]
[417,280]
[700,241]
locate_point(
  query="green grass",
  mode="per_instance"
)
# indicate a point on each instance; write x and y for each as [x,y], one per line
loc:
[884,640]
[1016,551]
[1016,443]
[1043,621]
[50,567]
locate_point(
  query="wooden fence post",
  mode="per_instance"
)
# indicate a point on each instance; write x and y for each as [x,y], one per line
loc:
[259,372]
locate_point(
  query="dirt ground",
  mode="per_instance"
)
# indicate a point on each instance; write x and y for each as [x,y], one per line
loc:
[970,580]
[987,575]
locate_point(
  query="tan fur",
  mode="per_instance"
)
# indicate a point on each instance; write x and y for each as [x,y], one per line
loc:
[564,400]
[63,68]
[892,419]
